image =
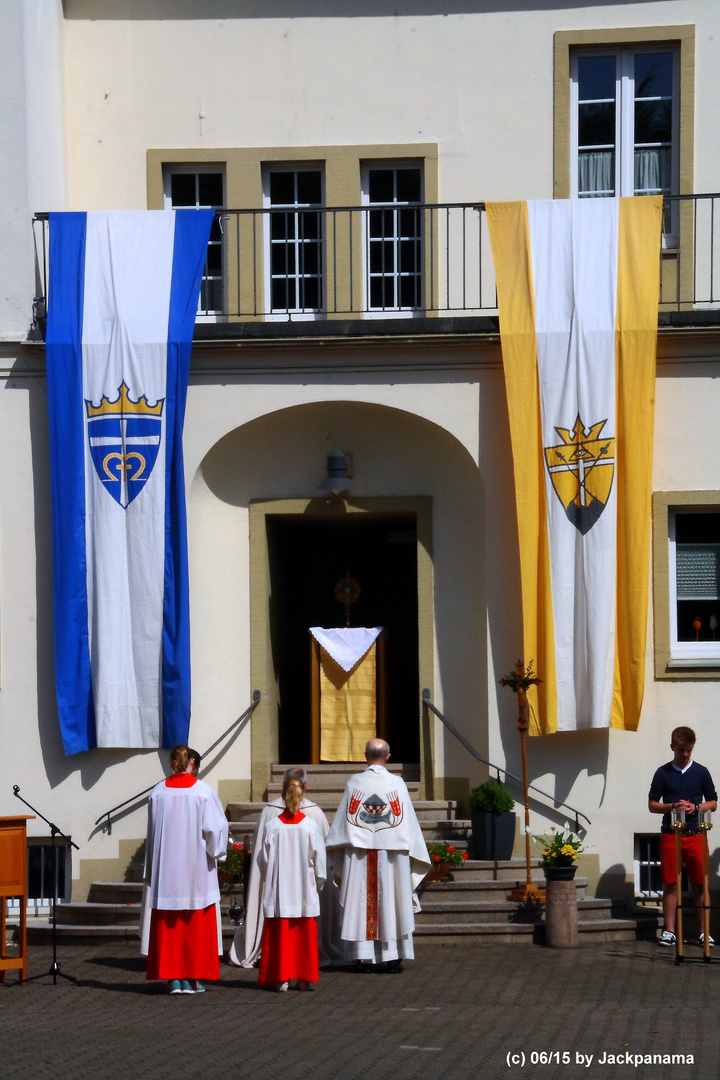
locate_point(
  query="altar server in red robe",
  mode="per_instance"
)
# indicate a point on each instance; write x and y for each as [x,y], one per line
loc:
[187,834]
[292,863]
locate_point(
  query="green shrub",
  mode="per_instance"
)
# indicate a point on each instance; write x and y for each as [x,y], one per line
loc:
[491,797]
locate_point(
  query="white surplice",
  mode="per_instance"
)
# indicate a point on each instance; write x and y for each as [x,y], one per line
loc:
[376,816]
[292,864]
[187,834]
[245,948]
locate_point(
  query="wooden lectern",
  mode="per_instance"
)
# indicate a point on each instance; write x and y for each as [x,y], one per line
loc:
[13,883]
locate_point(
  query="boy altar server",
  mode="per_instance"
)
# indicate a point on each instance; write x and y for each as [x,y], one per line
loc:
[379,857]
[180,931]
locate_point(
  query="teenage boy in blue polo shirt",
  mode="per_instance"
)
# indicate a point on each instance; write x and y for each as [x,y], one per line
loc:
[681,784]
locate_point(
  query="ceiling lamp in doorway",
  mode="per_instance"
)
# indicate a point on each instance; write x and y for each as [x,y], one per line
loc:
[338,473]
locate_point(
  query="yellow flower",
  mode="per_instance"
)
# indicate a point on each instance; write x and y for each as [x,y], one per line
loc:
[568,849]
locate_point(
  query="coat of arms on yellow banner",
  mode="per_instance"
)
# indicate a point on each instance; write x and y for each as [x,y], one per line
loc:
[581,469]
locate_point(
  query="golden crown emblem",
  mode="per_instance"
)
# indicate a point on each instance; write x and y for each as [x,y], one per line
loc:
[123,405]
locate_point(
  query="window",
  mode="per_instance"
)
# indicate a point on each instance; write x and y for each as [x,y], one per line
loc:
[393,237]
[694,571]
[294,238]
[624,122]
[648,878]
[202,187]
[686,584]
[41,879]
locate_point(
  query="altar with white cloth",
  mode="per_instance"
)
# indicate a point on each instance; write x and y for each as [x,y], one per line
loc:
[347,697]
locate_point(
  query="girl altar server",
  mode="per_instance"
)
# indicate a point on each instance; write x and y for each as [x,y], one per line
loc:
[292,863]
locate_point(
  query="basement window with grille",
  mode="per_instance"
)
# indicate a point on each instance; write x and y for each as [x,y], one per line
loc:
[42,876]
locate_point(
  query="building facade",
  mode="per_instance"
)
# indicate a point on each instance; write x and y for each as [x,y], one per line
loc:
[349,303]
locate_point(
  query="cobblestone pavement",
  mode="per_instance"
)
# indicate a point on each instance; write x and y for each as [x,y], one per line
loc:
[479,1012]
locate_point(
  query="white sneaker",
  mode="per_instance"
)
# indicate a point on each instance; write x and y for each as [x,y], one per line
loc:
[667,938]
[701,940]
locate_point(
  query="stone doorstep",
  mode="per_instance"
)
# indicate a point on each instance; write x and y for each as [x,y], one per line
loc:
[347,769]
[331,786]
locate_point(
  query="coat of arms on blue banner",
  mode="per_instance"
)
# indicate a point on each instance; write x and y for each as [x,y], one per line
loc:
[581,468]
[124,437]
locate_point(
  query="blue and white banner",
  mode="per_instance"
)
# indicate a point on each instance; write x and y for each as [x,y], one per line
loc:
[122,300]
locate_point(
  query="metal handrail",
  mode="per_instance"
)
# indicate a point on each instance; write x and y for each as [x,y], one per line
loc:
[499,768]
[141,794]
[452,267]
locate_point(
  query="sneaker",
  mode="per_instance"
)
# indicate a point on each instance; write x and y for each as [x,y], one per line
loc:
[701,940]
[667,938]
[196,987]
[185,987]
[174,987]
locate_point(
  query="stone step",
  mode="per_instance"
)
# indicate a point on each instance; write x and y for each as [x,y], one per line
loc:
[529,933]
[347,769]
[116,892]
[428,810]
[460,890]
[93,914]
[492,911]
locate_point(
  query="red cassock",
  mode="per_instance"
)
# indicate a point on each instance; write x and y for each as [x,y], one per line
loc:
[292,861]
[187,830]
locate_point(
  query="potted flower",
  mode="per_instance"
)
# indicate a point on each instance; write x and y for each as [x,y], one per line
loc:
[443,857]
[493,821]
[559,854]
[230,871]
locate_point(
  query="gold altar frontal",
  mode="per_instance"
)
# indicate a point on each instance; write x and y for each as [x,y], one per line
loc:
[346,705]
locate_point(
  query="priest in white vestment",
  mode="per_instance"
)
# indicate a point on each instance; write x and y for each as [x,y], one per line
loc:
[379,857]
[245,949]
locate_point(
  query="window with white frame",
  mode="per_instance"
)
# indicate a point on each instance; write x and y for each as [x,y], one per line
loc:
[624,122]
[393,236]
[694,579]
[294,197]
[195,186]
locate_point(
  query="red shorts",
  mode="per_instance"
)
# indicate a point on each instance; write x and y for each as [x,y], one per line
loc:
[692,856]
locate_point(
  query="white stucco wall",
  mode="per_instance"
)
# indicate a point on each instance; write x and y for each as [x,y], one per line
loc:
[478,83]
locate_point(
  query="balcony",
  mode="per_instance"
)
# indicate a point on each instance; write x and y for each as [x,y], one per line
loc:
[394,270]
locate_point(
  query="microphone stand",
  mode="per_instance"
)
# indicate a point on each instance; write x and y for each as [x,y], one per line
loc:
[54,832]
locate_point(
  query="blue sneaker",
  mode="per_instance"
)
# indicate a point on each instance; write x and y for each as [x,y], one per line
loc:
[174,987]
[185,987]
[196,987]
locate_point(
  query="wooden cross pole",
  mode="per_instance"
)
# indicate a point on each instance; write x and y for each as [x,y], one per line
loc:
[530,892]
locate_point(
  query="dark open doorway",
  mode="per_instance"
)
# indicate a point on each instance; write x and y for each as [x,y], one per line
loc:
[308,555]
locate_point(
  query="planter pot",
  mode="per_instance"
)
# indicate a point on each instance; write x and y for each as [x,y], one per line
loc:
[559,873]
[437,872]
[493,835]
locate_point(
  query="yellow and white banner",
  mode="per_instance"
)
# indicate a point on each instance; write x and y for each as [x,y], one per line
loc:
[577,284]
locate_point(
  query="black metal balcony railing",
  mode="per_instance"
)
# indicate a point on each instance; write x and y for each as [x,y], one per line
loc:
[400,261]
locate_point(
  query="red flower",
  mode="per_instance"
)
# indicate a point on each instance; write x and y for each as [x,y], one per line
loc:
[464,854]
[237,847]
[449,848]
[435,858]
